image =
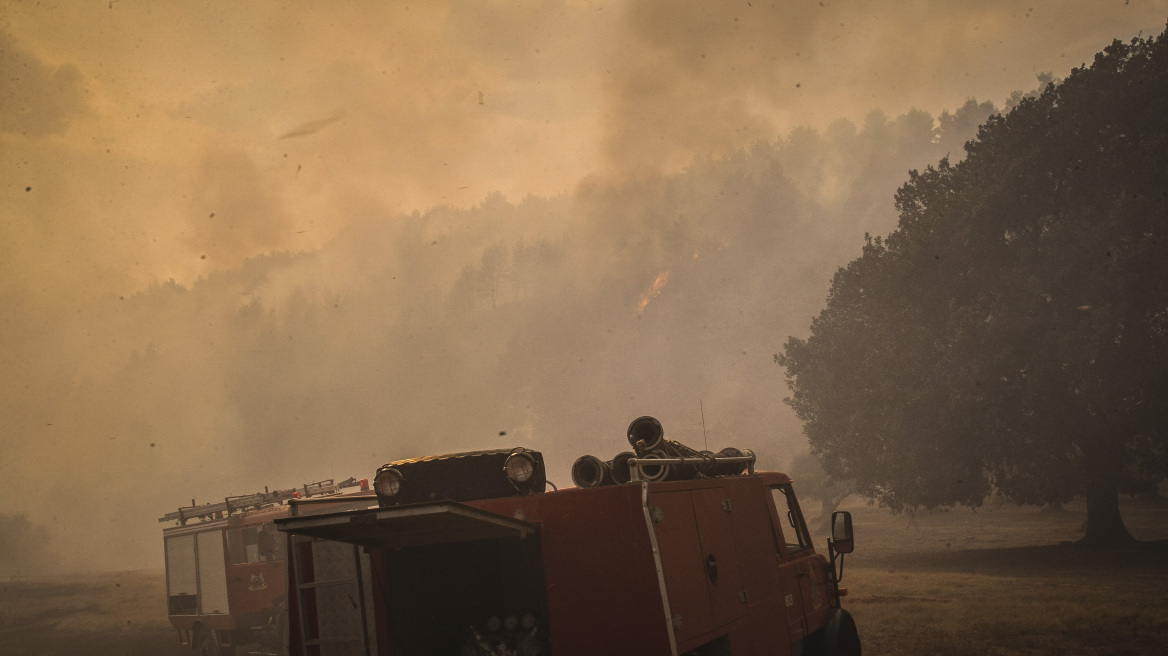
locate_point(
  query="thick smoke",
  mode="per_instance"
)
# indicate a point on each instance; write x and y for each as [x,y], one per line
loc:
[28,548]
[548,322]
[285,243]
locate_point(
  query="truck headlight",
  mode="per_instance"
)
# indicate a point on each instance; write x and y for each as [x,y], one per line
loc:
[388,483]
[520,468]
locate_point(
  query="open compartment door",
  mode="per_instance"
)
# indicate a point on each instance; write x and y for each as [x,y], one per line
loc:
[447,578]
[330,600]
[409,526]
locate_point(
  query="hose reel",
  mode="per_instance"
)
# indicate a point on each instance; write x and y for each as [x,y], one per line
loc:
[655,458]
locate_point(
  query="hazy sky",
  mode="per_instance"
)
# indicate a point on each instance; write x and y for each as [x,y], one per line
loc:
[148,141]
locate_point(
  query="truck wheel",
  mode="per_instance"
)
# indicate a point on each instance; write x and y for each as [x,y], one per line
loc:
[205,643]
[840,637]
[282,631]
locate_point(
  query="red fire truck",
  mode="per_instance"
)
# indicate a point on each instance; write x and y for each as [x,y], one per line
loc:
[225,566]
[661,551]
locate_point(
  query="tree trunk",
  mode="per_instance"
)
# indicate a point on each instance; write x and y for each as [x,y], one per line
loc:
[827,507]
[1105,526]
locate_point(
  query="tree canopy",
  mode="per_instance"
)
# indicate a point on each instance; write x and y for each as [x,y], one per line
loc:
[1011,335]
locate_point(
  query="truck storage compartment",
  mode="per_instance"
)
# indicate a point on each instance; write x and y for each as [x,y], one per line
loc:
[466,597]
[181,576]
[450,578]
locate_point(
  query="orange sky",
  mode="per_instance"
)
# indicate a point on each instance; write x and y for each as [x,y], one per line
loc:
[142,141]
[147,140]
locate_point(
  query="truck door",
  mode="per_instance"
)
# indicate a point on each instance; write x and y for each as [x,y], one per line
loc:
[695,537]
[683,564]
[804,590]
[212,573]
[715,531]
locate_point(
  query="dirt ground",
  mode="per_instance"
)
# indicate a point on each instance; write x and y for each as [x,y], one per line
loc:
[1002,580]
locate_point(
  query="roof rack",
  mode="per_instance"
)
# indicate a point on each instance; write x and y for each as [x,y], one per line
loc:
[655,468]
[244,503]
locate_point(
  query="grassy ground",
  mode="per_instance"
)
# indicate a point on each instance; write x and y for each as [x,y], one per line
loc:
[960,582]
[119,614]
[998,581]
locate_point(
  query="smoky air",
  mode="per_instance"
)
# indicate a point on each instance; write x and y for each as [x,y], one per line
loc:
[321,240]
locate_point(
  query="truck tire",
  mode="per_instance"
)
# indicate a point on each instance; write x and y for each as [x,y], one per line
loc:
[204,642]
[839,636]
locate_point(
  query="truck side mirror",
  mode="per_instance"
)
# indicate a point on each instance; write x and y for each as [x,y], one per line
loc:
[841,532]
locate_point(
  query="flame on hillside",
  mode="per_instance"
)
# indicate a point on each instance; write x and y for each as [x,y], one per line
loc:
[653,290]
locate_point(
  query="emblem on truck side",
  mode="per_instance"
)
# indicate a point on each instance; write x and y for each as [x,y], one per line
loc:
[257,582]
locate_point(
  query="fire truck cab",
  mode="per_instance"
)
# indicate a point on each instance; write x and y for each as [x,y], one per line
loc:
[466,554]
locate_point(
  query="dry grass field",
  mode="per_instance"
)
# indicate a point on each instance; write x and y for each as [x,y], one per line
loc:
[1007,580]
[998,581]
[111,614]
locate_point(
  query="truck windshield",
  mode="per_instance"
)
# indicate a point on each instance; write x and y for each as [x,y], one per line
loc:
[795,531]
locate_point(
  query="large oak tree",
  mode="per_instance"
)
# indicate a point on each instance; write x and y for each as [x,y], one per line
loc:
[1011,335]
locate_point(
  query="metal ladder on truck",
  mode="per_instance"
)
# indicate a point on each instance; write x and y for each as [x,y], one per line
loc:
[246,502]
[334,592]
